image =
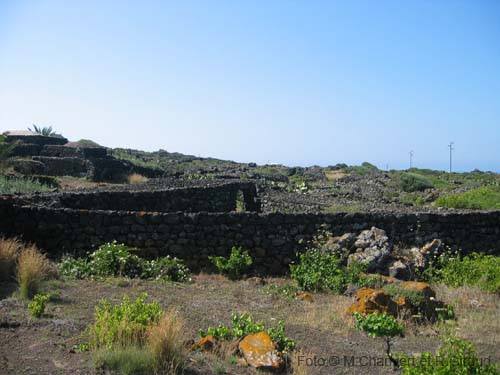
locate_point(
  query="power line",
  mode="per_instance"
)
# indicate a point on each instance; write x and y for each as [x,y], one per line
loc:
[452,148]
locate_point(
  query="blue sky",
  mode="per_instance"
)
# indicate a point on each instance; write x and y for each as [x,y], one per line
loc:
[292,82]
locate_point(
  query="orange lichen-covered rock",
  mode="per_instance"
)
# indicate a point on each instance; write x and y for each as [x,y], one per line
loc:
[370,300]
[403,303]
[206,343]
[419,286]
[259,351]
[305,297]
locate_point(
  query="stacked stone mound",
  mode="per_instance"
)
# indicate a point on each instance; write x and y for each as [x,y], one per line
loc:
[374,249]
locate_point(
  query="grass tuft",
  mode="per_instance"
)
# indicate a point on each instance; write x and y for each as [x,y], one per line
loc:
[136,178]
[9,248]
[131,360]
[32,268]
[165,342]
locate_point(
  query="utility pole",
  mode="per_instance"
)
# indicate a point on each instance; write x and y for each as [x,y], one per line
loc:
[450,146]
[411,159]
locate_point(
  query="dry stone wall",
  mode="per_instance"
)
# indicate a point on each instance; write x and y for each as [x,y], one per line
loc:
[273,239]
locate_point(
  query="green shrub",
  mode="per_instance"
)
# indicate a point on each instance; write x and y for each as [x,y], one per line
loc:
[165,268]
[130,360]
[112,259]
[243,324]
[10,185]
[479,270]
[455,357]
[125,324]
[486,197]
[75,268]
[37,307]
[317,271]
[410,182]
[380,325]
[233,266]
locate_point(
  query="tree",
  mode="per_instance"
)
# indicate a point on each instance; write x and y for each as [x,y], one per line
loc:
[45,131]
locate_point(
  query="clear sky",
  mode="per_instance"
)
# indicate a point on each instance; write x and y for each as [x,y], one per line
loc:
[292,82]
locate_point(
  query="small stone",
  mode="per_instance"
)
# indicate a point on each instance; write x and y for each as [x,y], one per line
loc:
[305,297]
[206,344]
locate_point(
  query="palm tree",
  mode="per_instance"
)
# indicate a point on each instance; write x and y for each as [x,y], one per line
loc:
[46,131]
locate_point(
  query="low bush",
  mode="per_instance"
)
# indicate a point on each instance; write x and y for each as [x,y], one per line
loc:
[478,270]
[125,324]
[243,324]
[483,198]
[317,271]
[455,357]
[165,341]
[11,185]
[32,268]
[410,182]
[165,268]
[37,307]
[9,248]
[235,265]
[113,259]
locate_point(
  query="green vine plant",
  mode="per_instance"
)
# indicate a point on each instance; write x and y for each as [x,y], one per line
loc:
[381,325]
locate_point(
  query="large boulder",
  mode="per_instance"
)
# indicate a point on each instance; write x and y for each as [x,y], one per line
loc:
[372,249]
[370,300]
[260,351]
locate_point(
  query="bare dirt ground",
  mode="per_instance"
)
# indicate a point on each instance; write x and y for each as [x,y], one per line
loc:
[321,329]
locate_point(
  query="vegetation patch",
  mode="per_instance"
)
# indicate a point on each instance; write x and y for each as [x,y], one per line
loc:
[235,265]
[410,182]
[32,268]
[243,324]
[12,185]
[483,198]
[114,259]
[37,307]
[123,325]
[455,357]
[477,270]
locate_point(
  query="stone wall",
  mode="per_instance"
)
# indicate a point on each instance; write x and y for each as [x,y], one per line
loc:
[273,239]
[217,198]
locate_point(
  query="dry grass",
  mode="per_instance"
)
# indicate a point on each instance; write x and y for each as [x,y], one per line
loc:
[476,311]
[165,341]
[300,363]
[334,175]
[32,268]
[9,248]
[136,178]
